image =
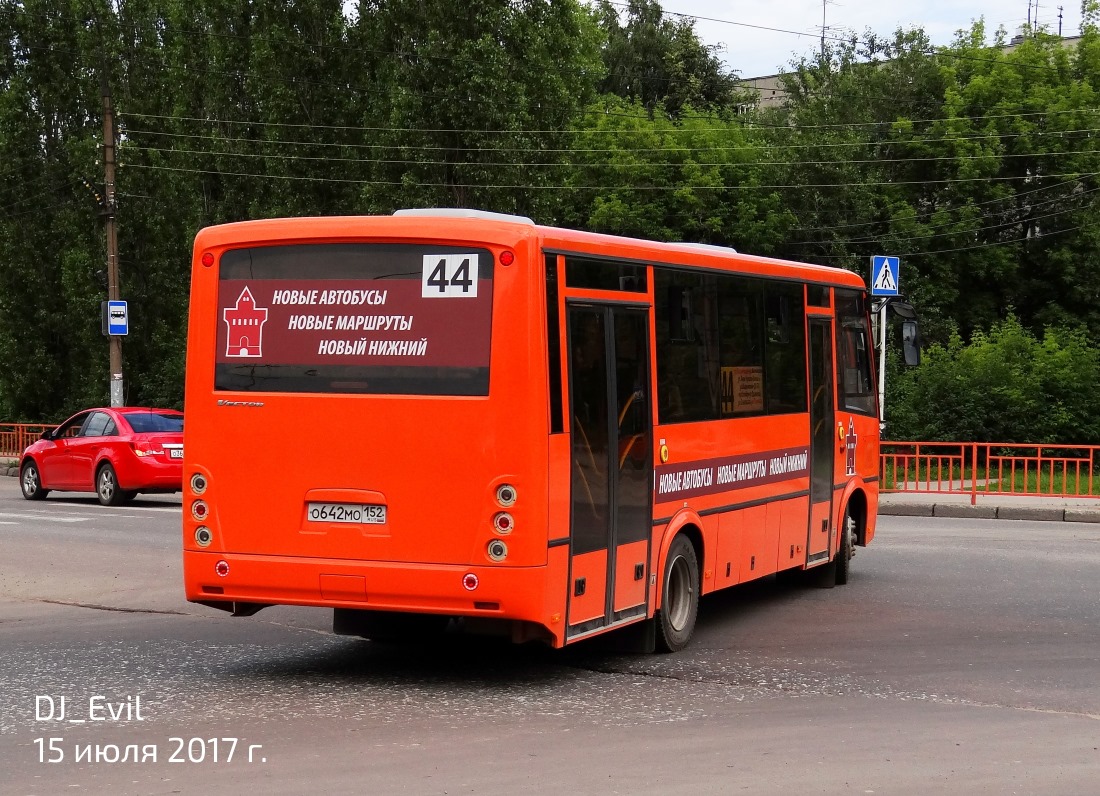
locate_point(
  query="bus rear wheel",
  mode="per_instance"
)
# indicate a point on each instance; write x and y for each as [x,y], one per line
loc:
[847,548]
[680,596]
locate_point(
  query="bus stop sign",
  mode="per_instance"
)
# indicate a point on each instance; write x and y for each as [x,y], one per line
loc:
[116,319]
[885,275]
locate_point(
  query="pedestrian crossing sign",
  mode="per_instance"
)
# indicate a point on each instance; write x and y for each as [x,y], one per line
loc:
[884,275]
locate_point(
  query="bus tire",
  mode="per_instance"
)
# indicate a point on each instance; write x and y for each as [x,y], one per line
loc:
[847,550]
[30,481]
[679,597]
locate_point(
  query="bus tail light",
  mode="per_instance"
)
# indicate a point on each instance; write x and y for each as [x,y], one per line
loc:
[203,537]
[469,582]
[222,568]
[503,522]
[506,495]
[507,258]
[498,551]
[199,510]
[198,483]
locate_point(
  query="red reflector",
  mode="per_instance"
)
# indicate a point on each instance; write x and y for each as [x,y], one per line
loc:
[207,259]
[507,258]
[222,568]
[470,581]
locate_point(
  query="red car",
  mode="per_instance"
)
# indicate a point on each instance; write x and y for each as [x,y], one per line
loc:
[115,453]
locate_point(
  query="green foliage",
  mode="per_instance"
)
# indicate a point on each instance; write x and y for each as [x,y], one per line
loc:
[659,63]
[1004,386]
[976,165]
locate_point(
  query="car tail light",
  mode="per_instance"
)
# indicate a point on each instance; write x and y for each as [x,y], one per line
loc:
[143,449]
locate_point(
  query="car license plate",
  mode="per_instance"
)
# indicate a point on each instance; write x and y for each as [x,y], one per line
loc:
[355,513]
[175,453]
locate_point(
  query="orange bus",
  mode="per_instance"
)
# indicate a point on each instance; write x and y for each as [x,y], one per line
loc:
[457,416]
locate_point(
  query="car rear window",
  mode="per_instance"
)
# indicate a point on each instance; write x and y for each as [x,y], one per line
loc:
[355,318]
[146,422]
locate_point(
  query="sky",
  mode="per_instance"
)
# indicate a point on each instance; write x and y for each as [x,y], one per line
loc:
[753,52]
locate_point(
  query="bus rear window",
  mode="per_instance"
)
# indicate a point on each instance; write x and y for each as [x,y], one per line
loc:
[355,318]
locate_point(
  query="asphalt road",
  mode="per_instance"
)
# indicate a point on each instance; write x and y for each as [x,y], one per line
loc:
[963,657]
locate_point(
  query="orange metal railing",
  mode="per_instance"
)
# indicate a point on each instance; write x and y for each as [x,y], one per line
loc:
[990,468]
[14,437]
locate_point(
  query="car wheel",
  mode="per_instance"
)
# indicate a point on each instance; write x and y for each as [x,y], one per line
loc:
[680,600]
[106,486]
[30,481]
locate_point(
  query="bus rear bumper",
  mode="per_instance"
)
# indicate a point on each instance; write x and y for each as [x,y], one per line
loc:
[499,592]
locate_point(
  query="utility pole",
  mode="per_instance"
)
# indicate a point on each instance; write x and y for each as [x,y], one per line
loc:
[1059,22]
[110,207]
[823,2]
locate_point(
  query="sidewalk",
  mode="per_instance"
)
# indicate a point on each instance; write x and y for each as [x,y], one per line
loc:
[990,506]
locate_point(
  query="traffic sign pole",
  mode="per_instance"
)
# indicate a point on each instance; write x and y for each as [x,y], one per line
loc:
[882,364]
[115,342]
[885,284]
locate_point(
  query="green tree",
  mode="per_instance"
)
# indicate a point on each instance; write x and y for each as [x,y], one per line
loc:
[473,109]
[660,63]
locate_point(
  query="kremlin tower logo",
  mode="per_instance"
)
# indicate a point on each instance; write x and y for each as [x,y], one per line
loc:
[246,327]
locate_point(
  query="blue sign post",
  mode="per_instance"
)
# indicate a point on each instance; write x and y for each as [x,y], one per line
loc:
[118,319]
[885,282]
[885,275]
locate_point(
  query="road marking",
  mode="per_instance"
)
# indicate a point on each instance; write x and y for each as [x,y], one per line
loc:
[42,517]
[104,512]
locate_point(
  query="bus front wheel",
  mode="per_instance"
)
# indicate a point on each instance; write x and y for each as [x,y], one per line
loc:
[680,596]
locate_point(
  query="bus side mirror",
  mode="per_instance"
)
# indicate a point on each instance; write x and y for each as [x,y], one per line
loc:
[910,342]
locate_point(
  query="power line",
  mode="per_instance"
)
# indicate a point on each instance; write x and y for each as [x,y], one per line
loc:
[995,243]
[753,145]
[633,165]
[678,129]
[952,222]
[1010,197]
[531,186]
[894,240]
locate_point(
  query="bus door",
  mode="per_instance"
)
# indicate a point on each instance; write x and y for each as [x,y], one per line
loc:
[611,465]
[822,439]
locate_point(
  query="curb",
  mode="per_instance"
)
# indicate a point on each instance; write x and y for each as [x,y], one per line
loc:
[963,510]
[9,469]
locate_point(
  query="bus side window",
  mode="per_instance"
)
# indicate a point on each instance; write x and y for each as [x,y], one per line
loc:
[785,348]
[853,354]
